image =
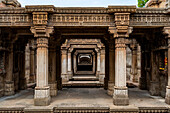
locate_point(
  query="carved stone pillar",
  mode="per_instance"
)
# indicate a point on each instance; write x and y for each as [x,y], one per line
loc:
[120,96]
[111,82]
[134,61]
[138,61]
[42,31]
[121,32]
[52,72]
[102,66]
[75,62]
[142,79]
[94,62]
[22,78]
[98,63]
[9,83]
[42,90]
[167,98]
[32,62]
[70,73]
[64,58]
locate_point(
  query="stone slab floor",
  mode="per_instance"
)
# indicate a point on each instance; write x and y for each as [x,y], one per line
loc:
[83,97]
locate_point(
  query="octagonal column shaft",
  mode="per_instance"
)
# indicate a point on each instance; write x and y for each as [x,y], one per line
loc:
[42,90]
[120,96]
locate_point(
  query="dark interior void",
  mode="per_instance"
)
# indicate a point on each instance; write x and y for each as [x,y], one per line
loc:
[84,67]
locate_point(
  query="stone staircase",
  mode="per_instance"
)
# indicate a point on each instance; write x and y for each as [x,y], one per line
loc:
[83,81]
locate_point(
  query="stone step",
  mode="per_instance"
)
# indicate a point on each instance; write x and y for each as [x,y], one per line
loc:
[85,78]
[83,83]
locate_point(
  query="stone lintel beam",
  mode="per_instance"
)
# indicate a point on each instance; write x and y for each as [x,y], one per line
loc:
[121,9]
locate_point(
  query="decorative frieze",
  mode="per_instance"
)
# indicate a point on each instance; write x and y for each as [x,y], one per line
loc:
[15,20]
[81,19]
[150,20]
[81,10]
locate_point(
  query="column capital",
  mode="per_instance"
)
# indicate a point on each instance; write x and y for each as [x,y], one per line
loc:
[42,42]
[42,31]
[120,43]
[166,31]
[64,51]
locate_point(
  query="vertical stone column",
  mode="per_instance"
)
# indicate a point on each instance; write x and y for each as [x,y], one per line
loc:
[64,68]
[75,62]
[134,62]
[70,73]
[9,83]
[42,90]
[120,96]
[142,79]
[138,62]
[52,72]
[32,62]
[167,98]
[102,66]
[111,82]
[94,62]
[98,63]
[22,78]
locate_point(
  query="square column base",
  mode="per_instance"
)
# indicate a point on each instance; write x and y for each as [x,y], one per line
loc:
[120,96]
[154,88]
[65,78]
[101,78]
[53,88]
[9,88]
[70,75]
[42,96]
[110,89]
[167,98]
[142,83]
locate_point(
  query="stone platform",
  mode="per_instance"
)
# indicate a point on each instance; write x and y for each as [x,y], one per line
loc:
[84,100]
